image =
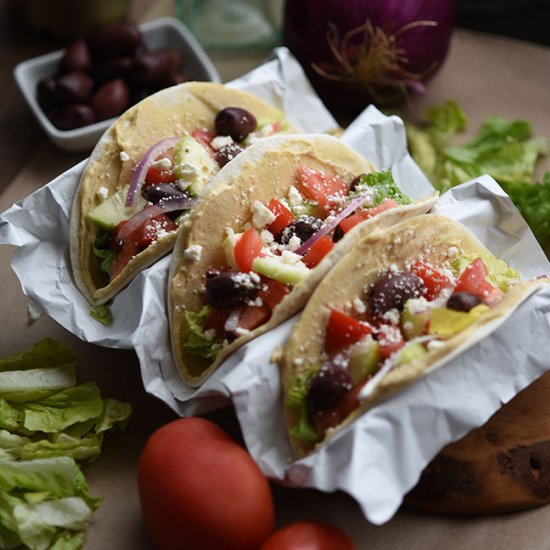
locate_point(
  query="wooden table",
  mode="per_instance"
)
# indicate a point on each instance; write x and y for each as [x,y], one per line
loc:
[487,75]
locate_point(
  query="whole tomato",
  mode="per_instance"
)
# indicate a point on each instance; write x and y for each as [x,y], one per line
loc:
[199,489]
[308,535]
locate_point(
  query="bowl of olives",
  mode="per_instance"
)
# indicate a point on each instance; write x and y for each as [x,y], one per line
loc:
[77,93]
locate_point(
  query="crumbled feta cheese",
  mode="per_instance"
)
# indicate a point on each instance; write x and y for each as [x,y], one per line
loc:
[394,268]
[187,172]
[209,334]
[289,257]
[294,243]
[435,344]
[193,252]
[294,196]
[103,193]
[221,141]
[392,316]
[452,251]
[298,361]
[266,236]
[261,215]
[359,305]
[241,331]
[163,164]
[124,156]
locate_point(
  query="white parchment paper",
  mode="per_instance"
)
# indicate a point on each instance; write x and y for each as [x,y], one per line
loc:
[366,459]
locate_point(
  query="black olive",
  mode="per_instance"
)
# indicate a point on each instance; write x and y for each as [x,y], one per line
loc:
[393,290]
[303,228]
[162,191]
[231,289]
[228,152]
[327,387]
[355,182]
[463,301]
[235,122]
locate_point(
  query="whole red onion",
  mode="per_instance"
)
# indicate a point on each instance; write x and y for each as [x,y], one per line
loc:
[360,51]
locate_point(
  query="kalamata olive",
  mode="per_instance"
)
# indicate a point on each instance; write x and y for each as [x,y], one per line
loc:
[338,234]
[111,67]
[162,191]
[231,289]
[235,122]
[463,301]
[46,92]
[303,228]
[355,182]
[228,152]
[115,39]
[73,115]
[73,87]
[155,67]
[111,99]
[76,57]
[393,290]
[327,387]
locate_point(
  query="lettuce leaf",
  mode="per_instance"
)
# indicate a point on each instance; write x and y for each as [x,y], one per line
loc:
[197,343]
[101,250]
[383,187]
[44,430]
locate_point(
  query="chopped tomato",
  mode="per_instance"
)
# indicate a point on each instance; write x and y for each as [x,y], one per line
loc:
[434,279]
[319,249]
[343,330]
[319,187]
[216,321]
[354,219]
[254,316]
[148,232]
[390,339]
[157,174]
[335,415]
[127,251]
[272,292]
[473,279]
[283,216]
[277,127]
[248,247]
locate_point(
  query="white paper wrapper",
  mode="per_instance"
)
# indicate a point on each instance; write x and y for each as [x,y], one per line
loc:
[364,460]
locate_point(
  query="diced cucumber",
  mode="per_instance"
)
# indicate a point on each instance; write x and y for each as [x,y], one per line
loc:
[308,209]
[112,210]
[192,165]
[288,274]
[410,353]
[364,361]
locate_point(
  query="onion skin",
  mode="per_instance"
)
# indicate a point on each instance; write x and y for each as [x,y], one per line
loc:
[421,31]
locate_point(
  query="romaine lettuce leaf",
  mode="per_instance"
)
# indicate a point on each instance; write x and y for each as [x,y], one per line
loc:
[197,343]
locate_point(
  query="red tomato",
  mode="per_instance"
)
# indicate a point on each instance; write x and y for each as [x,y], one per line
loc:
[149,231]
[318,251]
[473,279]
[343,330]
[272,292]
[248,247]
[308,535]
[156,174]
[318,186]
[254,316]
[390,339]
[434,280]
[199,490]
[125,253]
[283,217]
[351,221]
[216,320]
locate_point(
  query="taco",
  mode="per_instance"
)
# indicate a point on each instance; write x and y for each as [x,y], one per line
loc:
[261,238]
[148,169]
[401,303]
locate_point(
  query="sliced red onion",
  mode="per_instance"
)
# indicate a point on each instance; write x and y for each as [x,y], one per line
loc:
[144,164]
[152,211]
[329,226]
[232,322]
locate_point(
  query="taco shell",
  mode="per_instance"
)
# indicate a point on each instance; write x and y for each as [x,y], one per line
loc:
[171,112]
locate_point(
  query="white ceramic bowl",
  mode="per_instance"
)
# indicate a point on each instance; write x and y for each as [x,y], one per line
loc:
[166,32]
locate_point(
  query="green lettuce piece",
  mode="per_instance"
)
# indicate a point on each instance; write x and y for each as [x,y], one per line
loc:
[101,250]
[197,343]
[102,314]
[499,273]
[296,399]
[45,353]
[383,187]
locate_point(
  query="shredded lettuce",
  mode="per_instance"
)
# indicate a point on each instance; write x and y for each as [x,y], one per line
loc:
[197,343]
[383,187]
[506,150]
[102,314]
[44,431]
[103,253]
